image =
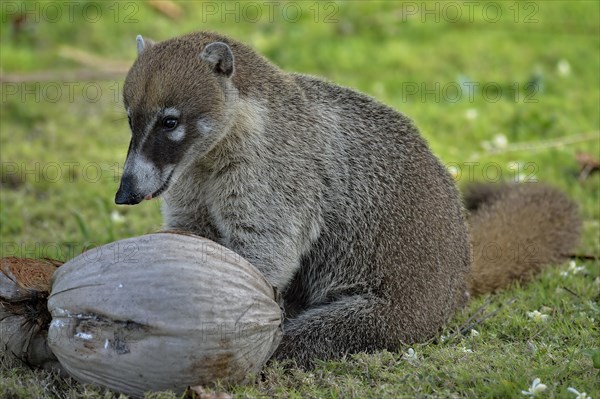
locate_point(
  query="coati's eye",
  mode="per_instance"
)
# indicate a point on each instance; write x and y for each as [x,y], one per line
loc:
[169,123]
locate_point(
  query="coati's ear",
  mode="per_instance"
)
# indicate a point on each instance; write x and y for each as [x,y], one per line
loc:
[143,44]
[219,55]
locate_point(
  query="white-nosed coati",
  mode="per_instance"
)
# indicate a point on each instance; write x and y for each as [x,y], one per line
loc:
[334,196]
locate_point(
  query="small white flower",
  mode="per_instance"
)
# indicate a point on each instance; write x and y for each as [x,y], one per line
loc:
[471,114]
[500,141]
[579,395]
[563,67]
[537,316]
[521,172]
[535,388]
[526,178]
[410,355]
[574,269]
[474,333]
[116,217]
[467,350]
[454,171]
[309,379]
[514,165]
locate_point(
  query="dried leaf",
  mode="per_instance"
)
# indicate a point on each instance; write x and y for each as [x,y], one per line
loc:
[587,164]
[166,7]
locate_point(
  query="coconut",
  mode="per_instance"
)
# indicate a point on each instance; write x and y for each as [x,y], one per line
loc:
[162,312]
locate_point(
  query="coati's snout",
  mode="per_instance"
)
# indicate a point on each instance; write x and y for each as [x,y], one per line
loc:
[126,195]
[157,145]
[130,192]
[142,179]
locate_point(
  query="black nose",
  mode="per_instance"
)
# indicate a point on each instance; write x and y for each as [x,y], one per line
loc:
[126,195]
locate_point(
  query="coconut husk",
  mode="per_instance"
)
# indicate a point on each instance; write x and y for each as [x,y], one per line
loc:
[24,316]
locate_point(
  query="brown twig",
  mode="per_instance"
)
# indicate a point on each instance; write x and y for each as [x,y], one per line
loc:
[571,292]
[62,76]
[487,317]
[467,327]
[476,313]
[583,256]
[538,145]
[91,60]
[541,330]
[96,68]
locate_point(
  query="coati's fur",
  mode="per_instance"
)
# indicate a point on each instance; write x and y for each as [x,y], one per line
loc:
[516,230]
[334,196]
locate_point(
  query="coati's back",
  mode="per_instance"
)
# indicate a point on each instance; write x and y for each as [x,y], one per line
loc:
[393,222]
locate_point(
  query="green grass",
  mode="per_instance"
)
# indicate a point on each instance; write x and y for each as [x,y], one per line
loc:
[61,162]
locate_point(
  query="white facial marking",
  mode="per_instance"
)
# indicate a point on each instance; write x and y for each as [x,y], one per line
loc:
[147,175]
[173,112]
[204,126]
[178,134]
[148,130]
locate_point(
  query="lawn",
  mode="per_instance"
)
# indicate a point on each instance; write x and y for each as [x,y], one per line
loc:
[501,90]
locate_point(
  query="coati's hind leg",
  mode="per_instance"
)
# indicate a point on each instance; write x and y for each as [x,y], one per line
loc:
[348,325]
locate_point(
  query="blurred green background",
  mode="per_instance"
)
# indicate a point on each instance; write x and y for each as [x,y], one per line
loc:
[501,90]
[479,79]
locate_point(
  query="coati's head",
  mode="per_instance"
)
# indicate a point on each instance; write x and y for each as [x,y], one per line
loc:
[178,96]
